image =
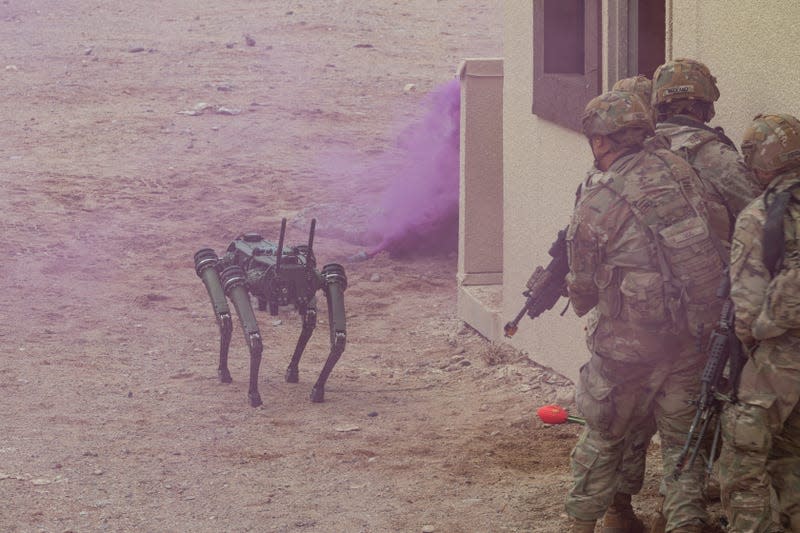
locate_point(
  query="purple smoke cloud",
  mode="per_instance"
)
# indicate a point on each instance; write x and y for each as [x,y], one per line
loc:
[403,201]
[419,208]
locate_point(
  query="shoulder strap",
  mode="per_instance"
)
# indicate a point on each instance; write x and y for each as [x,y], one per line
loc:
[680,120]
[774,245]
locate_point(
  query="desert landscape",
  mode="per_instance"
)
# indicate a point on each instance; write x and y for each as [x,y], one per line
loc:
[135,133]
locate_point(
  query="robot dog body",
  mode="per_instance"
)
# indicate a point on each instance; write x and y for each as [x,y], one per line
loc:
[275,277]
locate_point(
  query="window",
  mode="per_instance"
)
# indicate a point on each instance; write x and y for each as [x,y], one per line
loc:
[636,37]
[566,58]
[646,31]
[563,37]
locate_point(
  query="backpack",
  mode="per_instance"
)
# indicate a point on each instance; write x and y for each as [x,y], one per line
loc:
[690,147]
[691,259]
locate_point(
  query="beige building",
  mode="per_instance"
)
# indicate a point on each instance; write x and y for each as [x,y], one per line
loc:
[522,156]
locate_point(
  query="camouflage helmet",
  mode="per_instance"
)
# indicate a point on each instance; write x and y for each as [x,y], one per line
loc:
[639,85]
[684,79]
[615,111]
[772,143]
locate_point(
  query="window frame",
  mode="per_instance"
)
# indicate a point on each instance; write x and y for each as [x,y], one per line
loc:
[623,51]
[561,97]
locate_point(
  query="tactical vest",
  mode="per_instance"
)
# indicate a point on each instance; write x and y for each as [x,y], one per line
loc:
[688,149]
[690,257]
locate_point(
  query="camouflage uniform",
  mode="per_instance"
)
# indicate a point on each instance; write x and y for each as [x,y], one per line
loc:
[729,183]
[761,433]
[718,164]
[634,461]
[728,187]
[642,365]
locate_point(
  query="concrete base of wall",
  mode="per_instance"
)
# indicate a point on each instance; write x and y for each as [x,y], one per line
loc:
[480,306]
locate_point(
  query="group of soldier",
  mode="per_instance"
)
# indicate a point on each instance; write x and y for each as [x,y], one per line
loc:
[669,210]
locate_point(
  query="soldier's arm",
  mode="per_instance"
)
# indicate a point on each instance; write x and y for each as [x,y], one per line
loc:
[735,182]
[749,275]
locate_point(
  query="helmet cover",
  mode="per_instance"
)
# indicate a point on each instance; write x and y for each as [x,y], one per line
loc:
[615,111]
[684,79]
[772,143]
[639,85]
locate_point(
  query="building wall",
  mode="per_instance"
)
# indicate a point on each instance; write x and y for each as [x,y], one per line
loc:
[480,214]
[542,166]
[480,244]
[751,48]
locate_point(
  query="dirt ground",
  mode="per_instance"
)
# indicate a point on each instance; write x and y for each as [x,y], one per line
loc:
[112,174]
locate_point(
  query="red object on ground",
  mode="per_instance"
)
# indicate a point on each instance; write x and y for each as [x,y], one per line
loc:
[555,414]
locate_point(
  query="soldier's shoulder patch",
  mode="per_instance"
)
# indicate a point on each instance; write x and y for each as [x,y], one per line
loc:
[737,249]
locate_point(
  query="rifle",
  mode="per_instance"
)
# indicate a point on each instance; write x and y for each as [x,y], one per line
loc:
[723,348]
[545,286]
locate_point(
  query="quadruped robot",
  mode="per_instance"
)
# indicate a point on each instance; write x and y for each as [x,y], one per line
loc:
[275,276]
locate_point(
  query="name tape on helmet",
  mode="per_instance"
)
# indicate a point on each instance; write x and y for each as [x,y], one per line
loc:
[635,116]
[678,89]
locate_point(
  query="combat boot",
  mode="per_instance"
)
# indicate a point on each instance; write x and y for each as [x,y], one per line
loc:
[620,518]
[582,526]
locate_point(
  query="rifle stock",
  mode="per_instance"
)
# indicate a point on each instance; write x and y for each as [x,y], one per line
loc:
[545,286]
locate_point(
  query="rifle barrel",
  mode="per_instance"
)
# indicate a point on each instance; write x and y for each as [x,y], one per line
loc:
[511,327]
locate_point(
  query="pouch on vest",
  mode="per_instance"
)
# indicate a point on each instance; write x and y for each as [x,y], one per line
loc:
[606,278]
[643,298]
[697,268]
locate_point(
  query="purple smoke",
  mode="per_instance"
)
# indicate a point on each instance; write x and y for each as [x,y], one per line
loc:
[419,208]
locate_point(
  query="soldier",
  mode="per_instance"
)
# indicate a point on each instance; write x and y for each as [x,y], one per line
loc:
[684,92]
[638,235]
[683,96]
[761,432]
[620,516]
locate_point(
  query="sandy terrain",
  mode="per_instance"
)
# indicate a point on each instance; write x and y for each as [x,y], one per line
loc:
[137,132]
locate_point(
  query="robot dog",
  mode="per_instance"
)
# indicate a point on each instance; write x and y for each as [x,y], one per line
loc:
[275,277]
